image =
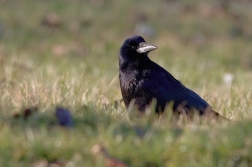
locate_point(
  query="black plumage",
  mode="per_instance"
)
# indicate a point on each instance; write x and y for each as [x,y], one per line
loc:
[142,80]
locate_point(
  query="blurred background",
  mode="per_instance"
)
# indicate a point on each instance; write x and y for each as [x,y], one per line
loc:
[90,30]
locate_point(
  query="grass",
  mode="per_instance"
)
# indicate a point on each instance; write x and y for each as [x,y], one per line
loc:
[75,65]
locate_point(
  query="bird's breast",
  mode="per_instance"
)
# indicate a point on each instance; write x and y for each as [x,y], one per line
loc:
[129,86]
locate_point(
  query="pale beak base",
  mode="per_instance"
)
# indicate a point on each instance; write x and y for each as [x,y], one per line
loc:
[145,47]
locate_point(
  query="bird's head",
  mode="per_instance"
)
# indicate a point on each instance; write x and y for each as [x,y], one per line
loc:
[136,45]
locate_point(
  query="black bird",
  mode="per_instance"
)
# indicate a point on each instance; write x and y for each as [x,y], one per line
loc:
[143,80]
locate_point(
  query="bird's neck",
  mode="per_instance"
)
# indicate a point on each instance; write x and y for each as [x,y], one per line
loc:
[134,63]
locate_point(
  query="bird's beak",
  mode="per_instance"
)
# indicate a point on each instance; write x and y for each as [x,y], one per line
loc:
[145,47]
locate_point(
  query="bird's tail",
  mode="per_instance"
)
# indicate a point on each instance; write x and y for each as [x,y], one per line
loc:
[218,116]
[211,113]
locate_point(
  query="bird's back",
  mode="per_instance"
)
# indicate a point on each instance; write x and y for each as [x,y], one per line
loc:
[175,91]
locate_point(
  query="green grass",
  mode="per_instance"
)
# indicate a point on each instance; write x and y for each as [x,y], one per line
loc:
[76,66]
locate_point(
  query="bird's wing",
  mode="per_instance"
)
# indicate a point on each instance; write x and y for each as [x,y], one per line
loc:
[157,86]
[166,88]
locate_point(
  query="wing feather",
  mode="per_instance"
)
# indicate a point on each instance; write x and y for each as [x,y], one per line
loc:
[165,89]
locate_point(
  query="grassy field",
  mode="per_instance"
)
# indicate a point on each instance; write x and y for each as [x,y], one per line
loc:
[65,53]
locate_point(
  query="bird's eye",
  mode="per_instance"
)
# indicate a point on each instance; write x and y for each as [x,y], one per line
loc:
[133,47]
